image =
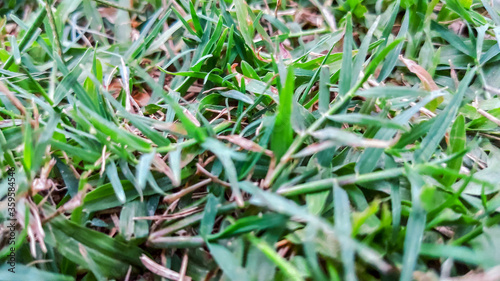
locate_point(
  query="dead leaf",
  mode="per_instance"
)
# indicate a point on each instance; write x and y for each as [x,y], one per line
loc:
[160,270]
[13,99]
[141,98]
[43,183]
[108,13]
[421,73]
[191,117]
[161,166]
[174,128]
[246,144]
[284,53]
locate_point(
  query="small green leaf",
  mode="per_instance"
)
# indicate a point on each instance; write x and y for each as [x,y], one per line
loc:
[143,169]
[112,174]
[208,220]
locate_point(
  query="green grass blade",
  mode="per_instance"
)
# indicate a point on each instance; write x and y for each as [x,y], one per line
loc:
[282,135]
[208,220]
[288,269]
[392,57]
[369,158]
[112,174]
[362,52]
[458,143]
[343,226]
[415,227]
[324,90]
[445,118]
[346,70]
[143,169]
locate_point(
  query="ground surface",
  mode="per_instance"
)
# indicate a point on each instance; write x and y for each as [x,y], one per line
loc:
[255,140]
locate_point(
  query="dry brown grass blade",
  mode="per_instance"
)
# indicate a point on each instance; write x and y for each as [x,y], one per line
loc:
[246,144]
[72,204]
[161,166]
[172,197]
[174,128]
[185,259]
[43,183]
[486,114]
[12,98]
[421,73]
[160,270]
[493,274]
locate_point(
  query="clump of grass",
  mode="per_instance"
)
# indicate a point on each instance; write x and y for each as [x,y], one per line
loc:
[250,140]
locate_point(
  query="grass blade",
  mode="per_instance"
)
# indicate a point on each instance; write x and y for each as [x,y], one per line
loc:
[282,136]
[112,174]
[458,142]
[445,118]
[343,225]
[346,70]
[415,227]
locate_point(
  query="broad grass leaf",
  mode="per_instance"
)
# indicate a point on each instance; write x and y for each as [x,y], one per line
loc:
[494,16]
[129,227]
[115,133]
[487,246]
[346,70]
[69,178]
[249,71]
[316,202]
[228,262]
[391,92]
[28,146]
[209,214]
[113,177]
[15,49]
[237,95]
[324,90]
[362,52]
[343,225]
[248,224]
[143,169]
[174,159]
[282,135]
[392,56]
[114,256]
[415,227]
[196,20]
[459,253]
[452,38]
[444,120]
[458,142]
[377,60]
[244,22]
[343,137]
[367,120]
[286,267]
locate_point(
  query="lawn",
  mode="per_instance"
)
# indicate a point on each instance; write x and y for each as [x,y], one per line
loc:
[250,140]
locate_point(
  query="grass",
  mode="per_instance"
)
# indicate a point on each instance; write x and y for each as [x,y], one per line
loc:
[250,140]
